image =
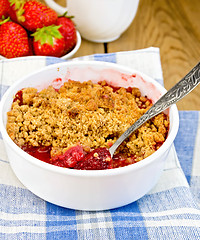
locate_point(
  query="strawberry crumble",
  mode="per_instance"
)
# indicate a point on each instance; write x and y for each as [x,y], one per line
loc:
[75,125]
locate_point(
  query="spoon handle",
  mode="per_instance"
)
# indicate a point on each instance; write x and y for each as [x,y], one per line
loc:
[177,92]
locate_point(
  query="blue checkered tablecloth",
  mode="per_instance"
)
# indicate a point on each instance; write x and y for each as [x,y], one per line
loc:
[169,211]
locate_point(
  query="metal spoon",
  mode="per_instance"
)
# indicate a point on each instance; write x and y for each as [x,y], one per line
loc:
[180,90]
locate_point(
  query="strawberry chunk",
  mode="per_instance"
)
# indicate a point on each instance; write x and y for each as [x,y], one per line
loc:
[70,158]
[98,159]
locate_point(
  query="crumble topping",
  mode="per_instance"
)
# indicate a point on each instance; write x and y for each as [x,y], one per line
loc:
[87,114]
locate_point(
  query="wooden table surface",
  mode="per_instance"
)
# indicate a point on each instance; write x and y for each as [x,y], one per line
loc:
[171,25]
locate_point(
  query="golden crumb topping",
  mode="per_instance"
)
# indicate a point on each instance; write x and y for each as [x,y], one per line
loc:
[93,115]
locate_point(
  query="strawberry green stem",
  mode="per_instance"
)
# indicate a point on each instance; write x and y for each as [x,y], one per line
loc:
[4,20]
[47,34]
[65,15]
[19,8]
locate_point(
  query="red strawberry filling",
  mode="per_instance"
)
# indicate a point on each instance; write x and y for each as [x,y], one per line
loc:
[76,158]
[41,153]
[98,159]
[70,158]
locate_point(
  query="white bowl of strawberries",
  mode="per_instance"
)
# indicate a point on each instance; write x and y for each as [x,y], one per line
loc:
[29,28]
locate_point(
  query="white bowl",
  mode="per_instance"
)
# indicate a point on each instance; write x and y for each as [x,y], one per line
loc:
[88,189]
[69,54]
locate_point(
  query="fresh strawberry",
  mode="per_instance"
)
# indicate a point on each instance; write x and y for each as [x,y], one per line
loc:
[48,41]
[4,9]
[68,31]
[13,40]
[32,14]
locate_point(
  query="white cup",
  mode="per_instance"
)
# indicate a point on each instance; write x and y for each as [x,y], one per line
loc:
[99,20]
